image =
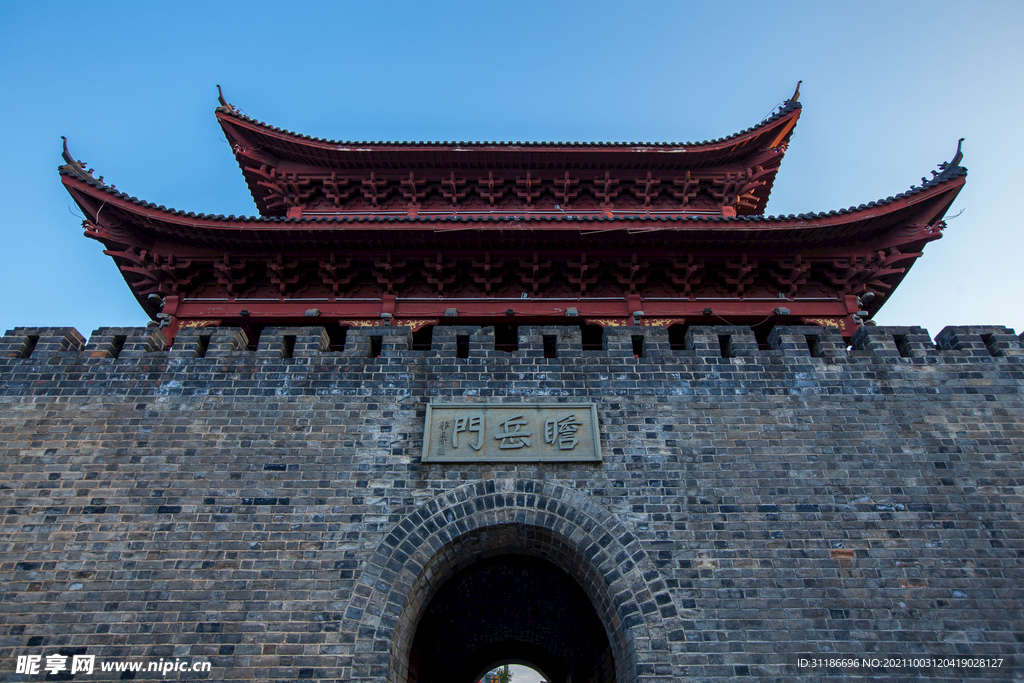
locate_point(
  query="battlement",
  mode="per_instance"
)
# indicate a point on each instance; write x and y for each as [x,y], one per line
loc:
[60,346]
[470,361]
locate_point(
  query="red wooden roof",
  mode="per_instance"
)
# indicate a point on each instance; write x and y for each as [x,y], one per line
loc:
[257,144]
[863,249]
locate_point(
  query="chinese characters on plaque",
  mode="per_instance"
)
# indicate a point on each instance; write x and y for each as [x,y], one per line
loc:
[524,432]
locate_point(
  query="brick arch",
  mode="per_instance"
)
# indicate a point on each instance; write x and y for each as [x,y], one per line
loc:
[475,521]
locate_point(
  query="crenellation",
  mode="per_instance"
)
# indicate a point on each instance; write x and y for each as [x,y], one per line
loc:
[41,343]
[913,342]
[555,343]
[292,342]
[125,342]
[722,341]
[877,342]
[978,341]
[703,342]
[396,342]
[223,343]
[807,341]
[193,342]
[357,345]
[446,343]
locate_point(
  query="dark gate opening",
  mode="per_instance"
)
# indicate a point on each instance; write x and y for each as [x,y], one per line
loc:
[510,608]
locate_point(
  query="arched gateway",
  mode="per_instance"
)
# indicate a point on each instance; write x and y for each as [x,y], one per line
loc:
[589,600]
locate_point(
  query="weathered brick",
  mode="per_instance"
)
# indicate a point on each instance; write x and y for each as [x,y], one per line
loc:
[272,514]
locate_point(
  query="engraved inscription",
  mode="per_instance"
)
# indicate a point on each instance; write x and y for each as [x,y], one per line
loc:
[492,432]
[442,439]
[564,430]
[512,434]
[473,423]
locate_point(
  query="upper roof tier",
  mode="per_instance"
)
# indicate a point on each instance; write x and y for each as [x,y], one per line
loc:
[292,175]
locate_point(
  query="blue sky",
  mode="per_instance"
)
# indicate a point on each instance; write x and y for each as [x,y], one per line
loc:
[888,88]
[523,674]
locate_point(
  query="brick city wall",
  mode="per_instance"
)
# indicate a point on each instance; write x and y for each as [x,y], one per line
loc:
[267,510]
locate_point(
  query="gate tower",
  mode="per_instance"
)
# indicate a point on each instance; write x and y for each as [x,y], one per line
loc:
[425,233]
[447,405]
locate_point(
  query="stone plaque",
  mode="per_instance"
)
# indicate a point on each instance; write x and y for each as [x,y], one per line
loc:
[517,432]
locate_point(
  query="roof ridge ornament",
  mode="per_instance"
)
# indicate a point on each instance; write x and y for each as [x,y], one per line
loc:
[783,107]
[224,104]
[958,157]
[66,154]
[74,166]
[949,169]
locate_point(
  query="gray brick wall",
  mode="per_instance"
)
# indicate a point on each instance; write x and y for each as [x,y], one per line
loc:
[268,509]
